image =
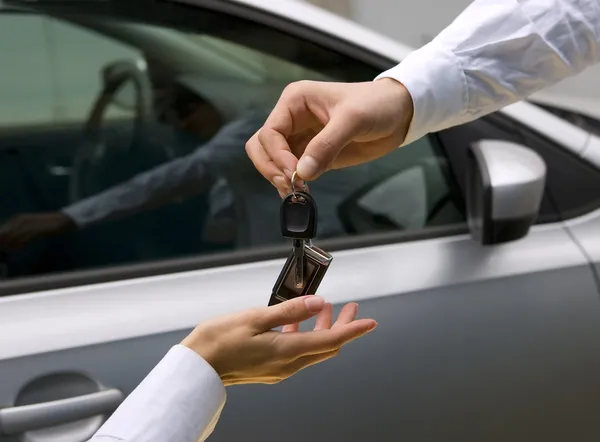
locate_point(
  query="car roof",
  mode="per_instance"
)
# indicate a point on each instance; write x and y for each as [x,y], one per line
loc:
[318,18]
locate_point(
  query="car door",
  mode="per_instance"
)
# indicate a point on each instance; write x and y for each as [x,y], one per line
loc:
[495,343]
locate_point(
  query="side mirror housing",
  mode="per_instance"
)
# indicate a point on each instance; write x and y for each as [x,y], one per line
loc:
[505,186]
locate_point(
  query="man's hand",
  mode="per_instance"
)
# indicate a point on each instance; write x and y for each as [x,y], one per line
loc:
[329,126]
[243,348]
[20,230]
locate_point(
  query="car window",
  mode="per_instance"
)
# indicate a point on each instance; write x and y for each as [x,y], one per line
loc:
[167,177]
[570,183]
[58,76]
[409,189]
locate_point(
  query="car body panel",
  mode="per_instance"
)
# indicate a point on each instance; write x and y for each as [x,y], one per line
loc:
[585,231]
[485,361]
[96,313]
[468,354]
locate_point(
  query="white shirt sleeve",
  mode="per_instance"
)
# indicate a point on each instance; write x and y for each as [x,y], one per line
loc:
[179,401]
[175,179]
[496,53]
[183,177]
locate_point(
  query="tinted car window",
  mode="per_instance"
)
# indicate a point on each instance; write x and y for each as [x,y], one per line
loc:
[165,175]
[409,189]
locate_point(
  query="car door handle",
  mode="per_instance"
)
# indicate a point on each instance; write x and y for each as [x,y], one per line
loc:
[48,414]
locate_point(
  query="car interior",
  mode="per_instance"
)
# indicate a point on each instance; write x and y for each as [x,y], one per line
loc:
[45,166]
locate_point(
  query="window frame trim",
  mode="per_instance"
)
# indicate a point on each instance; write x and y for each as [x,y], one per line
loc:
[561,216]
[80,278]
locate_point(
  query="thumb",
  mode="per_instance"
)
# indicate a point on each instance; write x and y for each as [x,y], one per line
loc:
[324,148]
[288,312]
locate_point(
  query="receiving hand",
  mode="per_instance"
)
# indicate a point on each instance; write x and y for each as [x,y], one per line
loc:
[20,230]
[317,126]
[243,348]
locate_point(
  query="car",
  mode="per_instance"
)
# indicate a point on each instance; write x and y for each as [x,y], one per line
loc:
[475,248]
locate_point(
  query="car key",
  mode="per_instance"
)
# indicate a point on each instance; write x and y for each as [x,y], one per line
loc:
[317,263]
[299,263]
[299,222]
[307,264]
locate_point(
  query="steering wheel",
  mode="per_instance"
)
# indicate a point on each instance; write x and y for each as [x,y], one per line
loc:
[93,153]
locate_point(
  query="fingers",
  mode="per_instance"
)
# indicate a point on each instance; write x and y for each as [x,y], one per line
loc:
[289,115]
[291,328]
[324,148]
[324,318]
[363,152]
[265,165]
[289,312]
[347,315]
[278,150]
[322,341]
[323,321]
[293,114]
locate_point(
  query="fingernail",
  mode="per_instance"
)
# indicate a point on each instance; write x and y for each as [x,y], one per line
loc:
[288,173]
[314,303]
[307,167]
[373,326]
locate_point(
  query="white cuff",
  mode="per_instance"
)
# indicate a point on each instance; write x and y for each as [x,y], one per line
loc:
[438,88]
[76,215]
[179,401]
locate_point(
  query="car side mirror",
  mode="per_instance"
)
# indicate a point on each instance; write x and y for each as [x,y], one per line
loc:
[505,186]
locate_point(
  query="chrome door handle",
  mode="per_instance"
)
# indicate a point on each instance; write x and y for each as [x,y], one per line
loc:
[48,414]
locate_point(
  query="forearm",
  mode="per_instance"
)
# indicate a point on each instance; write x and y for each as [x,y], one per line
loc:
[179,401]
[177,179]
[496,53]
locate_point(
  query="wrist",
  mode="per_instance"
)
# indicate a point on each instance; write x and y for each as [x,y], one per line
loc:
[402,103]
[65,223]
[206,348]
[438,87]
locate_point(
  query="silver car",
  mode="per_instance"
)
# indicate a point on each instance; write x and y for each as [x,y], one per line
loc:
[130,212]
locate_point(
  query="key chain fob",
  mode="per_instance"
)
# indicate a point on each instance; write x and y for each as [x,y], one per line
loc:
[317,263]
[298,216]
[307,264]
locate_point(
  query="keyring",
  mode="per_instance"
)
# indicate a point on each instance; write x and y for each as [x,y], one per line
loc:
[304,189]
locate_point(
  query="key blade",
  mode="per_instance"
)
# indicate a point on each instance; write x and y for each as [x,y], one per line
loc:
[299,264]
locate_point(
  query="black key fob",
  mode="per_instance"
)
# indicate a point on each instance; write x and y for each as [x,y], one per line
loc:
[299,216]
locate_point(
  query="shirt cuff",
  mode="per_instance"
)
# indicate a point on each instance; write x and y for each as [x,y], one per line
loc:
[77,214]
[438,87]
[179,401]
